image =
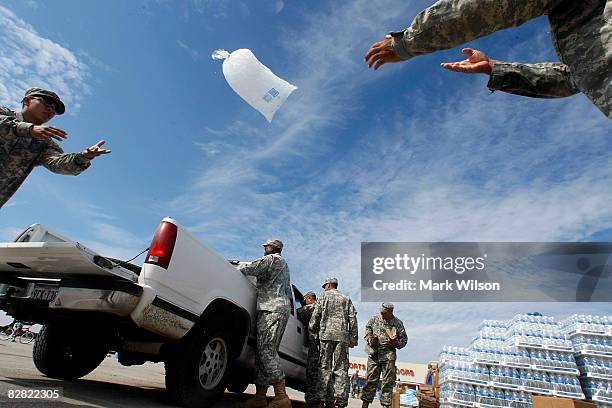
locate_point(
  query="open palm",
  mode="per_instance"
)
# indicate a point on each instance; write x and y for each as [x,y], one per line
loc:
[476,63]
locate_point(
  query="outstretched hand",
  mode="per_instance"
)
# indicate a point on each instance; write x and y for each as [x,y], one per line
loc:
[476,63]
[95,150]
[381,53]
[47,133]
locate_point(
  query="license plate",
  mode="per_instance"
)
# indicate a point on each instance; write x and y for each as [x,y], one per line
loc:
[44,292]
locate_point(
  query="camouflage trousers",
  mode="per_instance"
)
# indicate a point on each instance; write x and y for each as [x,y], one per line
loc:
[311,396]
[270,329]
[375,369]
[334,372]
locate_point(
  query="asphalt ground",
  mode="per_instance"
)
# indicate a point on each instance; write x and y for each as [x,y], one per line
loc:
[110,385]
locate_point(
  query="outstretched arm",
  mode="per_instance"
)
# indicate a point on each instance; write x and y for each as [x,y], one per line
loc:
[449,23]
[257,267]
[545,80]
[55,160]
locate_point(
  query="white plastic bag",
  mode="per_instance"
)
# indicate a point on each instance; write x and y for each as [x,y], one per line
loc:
[254,82]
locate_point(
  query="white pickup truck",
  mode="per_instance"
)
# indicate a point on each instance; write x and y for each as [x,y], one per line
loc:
[186,306]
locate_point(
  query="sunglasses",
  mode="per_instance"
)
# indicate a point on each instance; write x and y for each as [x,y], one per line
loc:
[48,102]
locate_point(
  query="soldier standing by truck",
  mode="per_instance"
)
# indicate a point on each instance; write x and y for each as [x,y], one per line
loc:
[273,309]
[304,314]
[384,335]
[334,325]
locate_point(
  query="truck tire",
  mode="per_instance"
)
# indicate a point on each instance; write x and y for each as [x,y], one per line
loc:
[196,374]
[58,353]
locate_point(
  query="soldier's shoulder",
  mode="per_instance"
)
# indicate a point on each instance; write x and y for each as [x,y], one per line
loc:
[277,257]
[345,297]
[398,321]
[4,111]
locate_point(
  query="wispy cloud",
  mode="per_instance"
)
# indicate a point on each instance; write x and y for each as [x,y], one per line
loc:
[27,59]
[193,53]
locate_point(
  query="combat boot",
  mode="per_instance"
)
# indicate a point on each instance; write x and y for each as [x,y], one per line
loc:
[365,404]
[281,400]
[258,401]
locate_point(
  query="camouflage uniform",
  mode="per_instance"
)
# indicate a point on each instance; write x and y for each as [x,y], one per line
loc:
[311,397]
[334,324]
[581,31]
[273,308]
[20,153]
[381,357]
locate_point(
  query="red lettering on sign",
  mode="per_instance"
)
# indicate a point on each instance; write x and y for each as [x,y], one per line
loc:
[404,371]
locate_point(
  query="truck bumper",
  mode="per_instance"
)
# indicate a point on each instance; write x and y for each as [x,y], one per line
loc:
[115,297]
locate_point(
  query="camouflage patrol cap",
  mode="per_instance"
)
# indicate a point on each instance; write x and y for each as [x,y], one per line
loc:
[386,307]
[59,105]
[275,243]
[309,293]
[330,280]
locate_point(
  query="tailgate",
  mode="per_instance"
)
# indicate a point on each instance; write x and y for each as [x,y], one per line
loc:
[56,260]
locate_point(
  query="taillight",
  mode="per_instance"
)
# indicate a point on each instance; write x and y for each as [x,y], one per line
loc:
[162,245]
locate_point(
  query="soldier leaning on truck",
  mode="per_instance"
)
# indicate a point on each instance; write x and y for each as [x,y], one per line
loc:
[334,325]
[25,142]
[384,334]
[273,309]
[304,314]
[581,32]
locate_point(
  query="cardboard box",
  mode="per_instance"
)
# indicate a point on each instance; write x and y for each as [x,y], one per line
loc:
[426,388]
[555,402]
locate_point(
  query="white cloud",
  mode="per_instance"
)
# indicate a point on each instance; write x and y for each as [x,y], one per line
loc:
[279,5]
[193,53]
[27,60]
[8,234]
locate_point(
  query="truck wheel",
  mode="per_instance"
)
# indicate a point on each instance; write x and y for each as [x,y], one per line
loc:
[58,353]
[196,375]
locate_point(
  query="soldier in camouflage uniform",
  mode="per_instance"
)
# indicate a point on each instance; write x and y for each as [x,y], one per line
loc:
[384,334]
[334,325]
[581,31]
[26,143]
[273,308]
[304,314]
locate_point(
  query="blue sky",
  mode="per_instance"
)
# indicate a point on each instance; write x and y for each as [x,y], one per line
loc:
[408,153]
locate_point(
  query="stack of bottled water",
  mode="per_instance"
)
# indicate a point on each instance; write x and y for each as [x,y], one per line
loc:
[591,337]
[508,362]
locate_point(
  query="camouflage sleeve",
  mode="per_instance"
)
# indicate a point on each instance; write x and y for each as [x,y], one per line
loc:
[55,160]
[315,320]
[353,329]
[402,337]
[257,267]
[449,23]
[11,129]
[368,329]
[545,80]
